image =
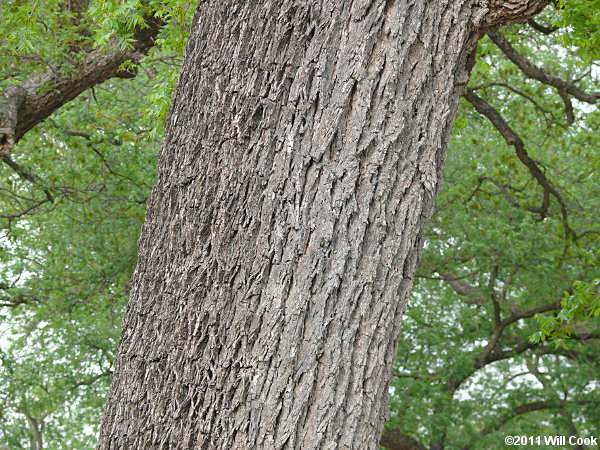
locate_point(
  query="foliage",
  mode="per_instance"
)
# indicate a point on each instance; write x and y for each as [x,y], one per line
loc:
[491,263]
[72,200]
[575,308]
[66,265]
[119,18]
[582,18]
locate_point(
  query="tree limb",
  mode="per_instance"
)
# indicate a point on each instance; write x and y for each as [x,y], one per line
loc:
[493,295]
[513,139]
[27,176]
[493,352]
[91,380]
[568,106]
[517,411]
[487,355]
[472,294]
[541,28]
[524,409]
[25,211]
[503,188]
[536,73]
[395,440]
[25,105]
[526,96]
[36,426]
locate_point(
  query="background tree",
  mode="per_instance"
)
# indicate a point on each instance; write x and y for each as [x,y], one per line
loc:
[72,200]
[60,318]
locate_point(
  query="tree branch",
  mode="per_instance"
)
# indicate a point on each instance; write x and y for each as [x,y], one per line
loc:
[25,105]
[508,196]
[91,380]
[513,139]
[25,211]
[493,352]
[524,409]
[536,73]
[568,106]
[472,294]
[35,425]
[517,411]
[541,28]
[493,295]
[487,355]
[395,440]
[528,97]
[27,176]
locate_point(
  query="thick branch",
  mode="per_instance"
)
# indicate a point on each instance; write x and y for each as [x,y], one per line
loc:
[536,73]
[464,289]
[541,28]
[504,12]
[568,106]
[517,411]
[24,106]
[493,295]
[512,138]
[492,351]
[35,425]
[395,440]
[486,356]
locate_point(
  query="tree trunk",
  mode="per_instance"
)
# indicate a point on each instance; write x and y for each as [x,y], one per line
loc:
[302,156]
[36,439]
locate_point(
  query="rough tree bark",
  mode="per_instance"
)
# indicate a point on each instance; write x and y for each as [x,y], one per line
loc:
[303,153]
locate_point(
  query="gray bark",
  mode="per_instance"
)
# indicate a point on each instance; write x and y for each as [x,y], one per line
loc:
[302,156]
